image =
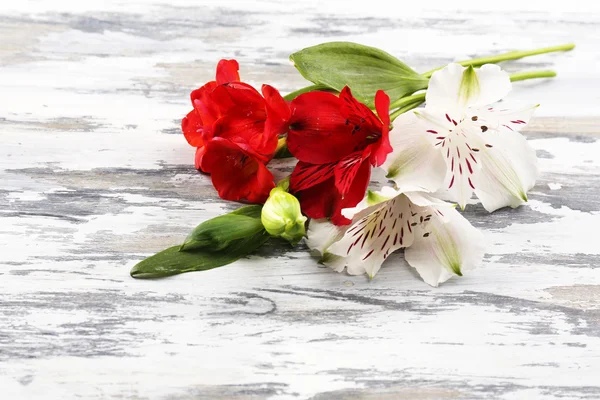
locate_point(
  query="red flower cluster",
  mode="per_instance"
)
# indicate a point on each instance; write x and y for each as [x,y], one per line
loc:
[235,131]
[336,140]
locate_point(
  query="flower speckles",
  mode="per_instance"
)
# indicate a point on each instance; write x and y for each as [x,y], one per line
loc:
[439,242]
[478,147]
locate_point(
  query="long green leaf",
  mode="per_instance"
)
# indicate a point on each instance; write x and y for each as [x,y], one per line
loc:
[217,233]
[172,261]
[364,69]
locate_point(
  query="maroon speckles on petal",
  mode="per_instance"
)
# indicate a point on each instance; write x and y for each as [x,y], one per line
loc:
[469,165]
[451,182]
[471,184]
[364,240]
[367,256]
[385,242]
[432,131]
[448,118]
[358,231]
[395,239]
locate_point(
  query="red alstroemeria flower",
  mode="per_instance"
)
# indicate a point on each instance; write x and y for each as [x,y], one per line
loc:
[235,130]
[336,140]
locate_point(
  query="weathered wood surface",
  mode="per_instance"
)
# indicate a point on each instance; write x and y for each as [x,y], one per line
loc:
[95,175]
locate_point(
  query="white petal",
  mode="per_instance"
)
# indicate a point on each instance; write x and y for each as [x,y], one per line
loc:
[461,164]
[501,117]
[445,247]
[494,85]
[322,234]
[509,170]
[446,92]
[371,199]
[415,164]
[373,237]
[423,199]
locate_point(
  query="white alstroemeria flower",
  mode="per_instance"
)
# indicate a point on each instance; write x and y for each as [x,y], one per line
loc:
[439,241]
[460,143]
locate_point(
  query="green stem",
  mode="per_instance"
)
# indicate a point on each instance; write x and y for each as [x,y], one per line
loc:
[311,88]
[407,100]
[511,55]
[408,103]
[521,76]
[405,108]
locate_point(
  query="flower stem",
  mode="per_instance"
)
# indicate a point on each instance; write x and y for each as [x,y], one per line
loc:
[408,103]
[511,55]
[406,107]
[404,101]
[311,88]
[521,76]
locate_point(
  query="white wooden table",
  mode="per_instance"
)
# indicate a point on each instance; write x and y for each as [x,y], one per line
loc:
[95,176]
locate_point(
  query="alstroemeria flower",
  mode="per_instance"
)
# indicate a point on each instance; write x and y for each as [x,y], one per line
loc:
[235,130]
[461,143]
[336,140]
[439,242]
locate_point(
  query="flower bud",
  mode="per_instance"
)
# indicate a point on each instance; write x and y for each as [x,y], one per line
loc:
[281,216]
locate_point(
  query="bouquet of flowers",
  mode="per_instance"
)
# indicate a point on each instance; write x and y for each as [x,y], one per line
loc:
[361,112]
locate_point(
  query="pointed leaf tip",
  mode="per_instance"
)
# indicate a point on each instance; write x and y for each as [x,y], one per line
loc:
[172,261]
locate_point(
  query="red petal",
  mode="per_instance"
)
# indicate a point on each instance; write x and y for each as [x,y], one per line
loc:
[243,123]
[243,95]
[359,115]
[192,128]
[278,117]
[346,170]
[354,195]
[306,175]
[383,147]
[318,201]
[318,131]
[227,71]
[208,110]
[382,105]
[200,151]
[236,173]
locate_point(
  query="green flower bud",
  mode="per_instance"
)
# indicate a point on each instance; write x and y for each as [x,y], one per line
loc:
[281,216]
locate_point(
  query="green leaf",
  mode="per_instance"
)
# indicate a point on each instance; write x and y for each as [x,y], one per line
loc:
[217,233]
[364,69]
[172,261]
[252,211]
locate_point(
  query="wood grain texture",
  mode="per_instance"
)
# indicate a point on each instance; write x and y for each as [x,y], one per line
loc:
[95,176]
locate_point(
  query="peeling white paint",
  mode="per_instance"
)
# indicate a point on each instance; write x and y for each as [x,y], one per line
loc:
[95,176]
